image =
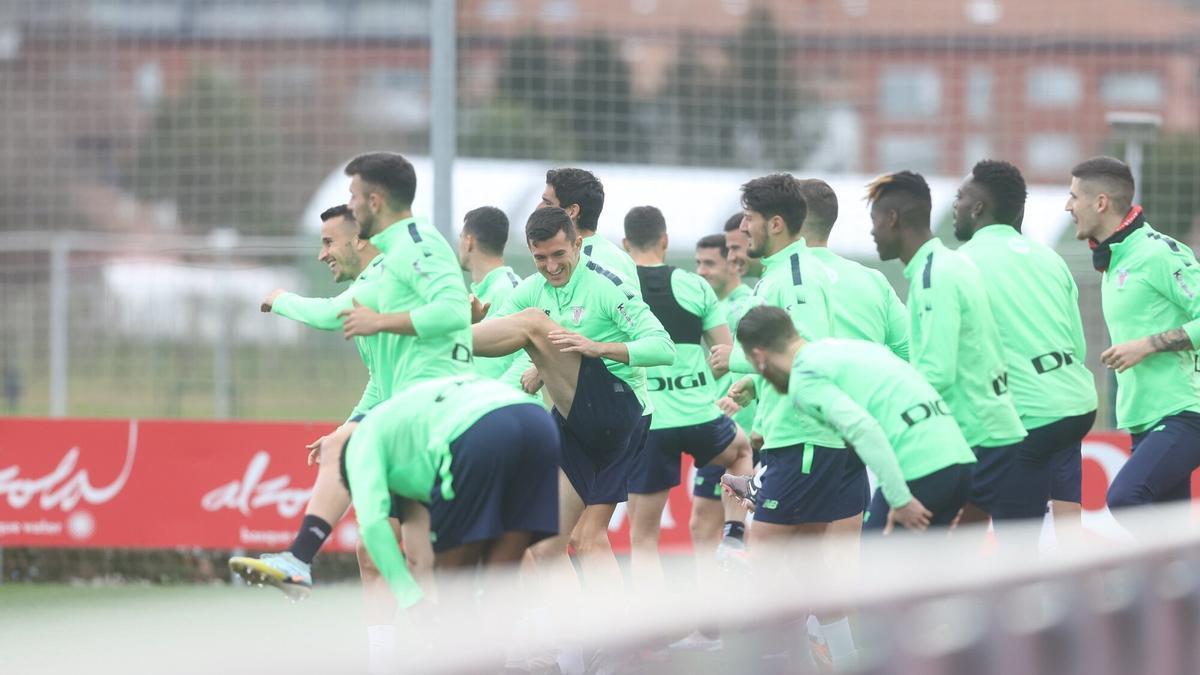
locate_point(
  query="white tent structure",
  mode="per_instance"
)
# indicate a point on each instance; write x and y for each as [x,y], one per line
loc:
[695,201]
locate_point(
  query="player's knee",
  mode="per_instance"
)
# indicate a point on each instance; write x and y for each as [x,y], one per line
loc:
[366,566]
[1121,495]
[534,321]
[587,539]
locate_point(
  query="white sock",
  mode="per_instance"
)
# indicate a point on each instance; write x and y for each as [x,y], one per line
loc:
[381,649]
[839,640]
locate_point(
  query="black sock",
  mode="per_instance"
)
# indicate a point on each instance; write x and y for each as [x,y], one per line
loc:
[735,529]
[313,532]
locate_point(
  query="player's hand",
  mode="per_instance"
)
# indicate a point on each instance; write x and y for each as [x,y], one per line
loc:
[479,309]
[314,451]
[269,301]
[531,381]
[1126,355]
[756,441]
[359,321]
[742,392]
[718,359]
[566,341]
[912,516]
[728,406]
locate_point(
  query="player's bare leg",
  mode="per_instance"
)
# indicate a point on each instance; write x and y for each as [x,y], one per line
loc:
[842,555]
[380,610]
[290,571]
[557,583]
[528,330]
[708,516]
[1068,522]
[645,520]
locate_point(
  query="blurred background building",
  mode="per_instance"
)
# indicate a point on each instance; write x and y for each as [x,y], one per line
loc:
[161,160]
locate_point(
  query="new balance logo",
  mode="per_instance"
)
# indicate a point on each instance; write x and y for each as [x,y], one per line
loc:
[771,504]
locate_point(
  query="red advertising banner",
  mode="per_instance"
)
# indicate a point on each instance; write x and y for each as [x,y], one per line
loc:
[244,485]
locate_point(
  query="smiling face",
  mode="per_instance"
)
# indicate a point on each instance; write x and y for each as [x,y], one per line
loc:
[717,271]
[338,250]
[737,243]
[556,257]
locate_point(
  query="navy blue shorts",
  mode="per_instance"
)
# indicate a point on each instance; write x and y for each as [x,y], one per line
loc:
[990,480]
[855,492]
[1048,465]
[801,484]
[707,483]
[397,510]
[504,470]
[943,492]
[1160,469]
[602,435]
[657,465]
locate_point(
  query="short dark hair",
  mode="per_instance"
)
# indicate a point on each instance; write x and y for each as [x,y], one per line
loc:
[734,222]
[767,327]
[1004,183]
[776,195]
[389,171]
[909,190]
[644,225]
[545,223]
[339,211]
[489,226]
[1114,176]
[714,241]
[822,203]
[577,186]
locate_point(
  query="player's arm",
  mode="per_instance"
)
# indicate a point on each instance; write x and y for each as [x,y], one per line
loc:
[895,321]
[649,344]
[319,313]
[934,344]
[370,398]
[1178,280]
[822,399]
[372,502]
[446,306]
[701,298]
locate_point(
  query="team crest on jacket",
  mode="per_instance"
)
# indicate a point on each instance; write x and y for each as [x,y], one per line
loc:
[577,313]
[1122,276]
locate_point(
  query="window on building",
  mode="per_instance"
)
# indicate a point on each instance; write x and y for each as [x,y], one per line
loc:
[1132,88]
[1051,152]
[916,152]
[1053,87]
[393,98]
[979,93]
[975,148]
[289,81]
[909,92]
